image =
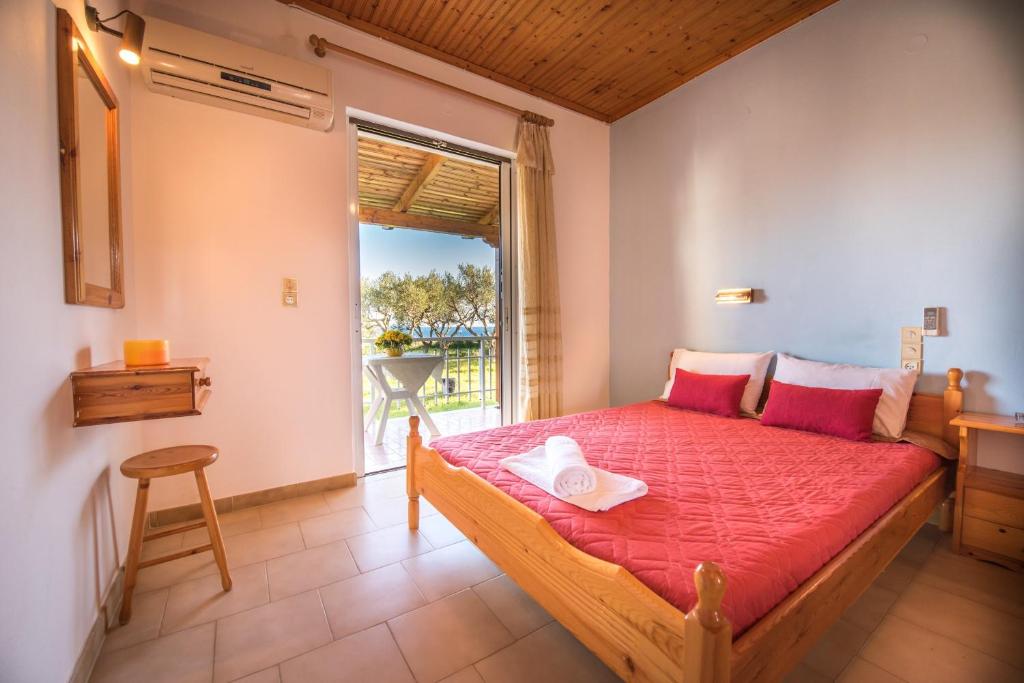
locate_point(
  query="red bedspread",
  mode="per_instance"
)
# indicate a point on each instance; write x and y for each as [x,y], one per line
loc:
[770,505]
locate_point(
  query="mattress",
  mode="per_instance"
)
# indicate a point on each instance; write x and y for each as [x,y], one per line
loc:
[771,506]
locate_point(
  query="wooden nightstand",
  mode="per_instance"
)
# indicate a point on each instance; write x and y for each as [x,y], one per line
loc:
[989,520]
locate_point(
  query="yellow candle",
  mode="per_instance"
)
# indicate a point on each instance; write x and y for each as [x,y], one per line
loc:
[147,352]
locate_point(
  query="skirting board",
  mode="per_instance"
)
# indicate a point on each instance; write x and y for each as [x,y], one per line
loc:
[106,618]
[187,513]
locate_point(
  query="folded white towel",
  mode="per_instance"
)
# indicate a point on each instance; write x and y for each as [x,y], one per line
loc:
[610,490]
[567,467]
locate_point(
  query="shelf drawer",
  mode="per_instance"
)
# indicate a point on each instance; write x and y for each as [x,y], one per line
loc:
[997,538]
[994,507]
[116,393]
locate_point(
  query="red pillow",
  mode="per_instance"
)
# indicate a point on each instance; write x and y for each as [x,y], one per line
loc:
[848,413]
[718,394]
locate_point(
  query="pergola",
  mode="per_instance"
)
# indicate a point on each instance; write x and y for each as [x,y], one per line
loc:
[405,187]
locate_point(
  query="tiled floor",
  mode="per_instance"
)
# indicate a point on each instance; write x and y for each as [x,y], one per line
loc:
[391,453]
[333,587]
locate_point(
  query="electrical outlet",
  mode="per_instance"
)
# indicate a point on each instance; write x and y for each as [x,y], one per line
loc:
[915,364]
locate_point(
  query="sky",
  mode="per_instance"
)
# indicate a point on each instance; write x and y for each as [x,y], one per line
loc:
[417,252]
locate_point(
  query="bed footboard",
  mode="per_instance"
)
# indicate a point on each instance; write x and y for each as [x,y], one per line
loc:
[633,630]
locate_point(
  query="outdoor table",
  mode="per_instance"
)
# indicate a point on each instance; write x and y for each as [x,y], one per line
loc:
[411,371]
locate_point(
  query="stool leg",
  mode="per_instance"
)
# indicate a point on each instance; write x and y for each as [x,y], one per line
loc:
[213,526]
[131,569]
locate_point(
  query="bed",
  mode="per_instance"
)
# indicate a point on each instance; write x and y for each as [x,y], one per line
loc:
[781,530]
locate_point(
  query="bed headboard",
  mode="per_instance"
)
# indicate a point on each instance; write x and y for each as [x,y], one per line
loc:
[931,413]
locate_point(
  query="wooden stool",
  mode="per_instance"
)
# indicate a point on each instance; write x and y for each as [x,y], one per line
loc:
[167,462]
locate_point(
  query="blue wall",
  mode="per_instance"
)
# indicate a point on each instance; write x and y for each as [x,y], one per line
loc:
[858,167]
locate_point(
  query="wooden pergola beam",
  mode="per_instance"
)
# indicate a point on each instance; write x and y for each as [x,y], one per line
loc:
[397,219]
[489,217]
[431,167]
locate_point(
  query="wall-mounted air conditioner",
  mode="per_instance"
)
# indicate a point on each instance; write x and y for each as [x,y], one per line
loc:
[192,65]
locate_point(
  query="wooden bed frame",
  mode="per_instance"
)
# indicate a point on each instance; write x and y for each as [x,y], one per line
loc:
[633,630]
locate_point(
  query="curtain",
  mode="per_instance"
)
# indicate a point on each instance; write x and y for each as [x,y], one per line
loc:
[540,334]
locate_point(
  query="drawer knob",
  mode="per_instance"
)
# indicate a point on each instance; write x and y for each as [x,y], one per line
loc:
[203,382]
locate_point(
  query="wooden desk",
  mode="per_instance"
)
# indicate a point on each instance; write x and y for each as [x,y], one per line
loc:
[989,519]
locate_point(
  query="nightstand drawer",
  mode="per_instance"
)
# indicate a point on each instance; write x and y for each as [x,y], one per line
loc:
[994,507]
[996,538]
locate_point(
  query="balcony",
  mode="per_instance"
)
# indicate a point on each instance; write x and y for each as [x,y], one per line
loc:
[462,396]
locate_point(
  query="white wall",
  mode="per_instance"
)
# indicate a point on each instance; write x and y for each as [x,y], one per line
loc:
[228,204]
[858,167]
[59,485]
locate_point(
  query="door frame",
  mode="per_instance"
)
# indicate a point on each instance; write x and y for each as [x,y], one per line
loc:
[508,277]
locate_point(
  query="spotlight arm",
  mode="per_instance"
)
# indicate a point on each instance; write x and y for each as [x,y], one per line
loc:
[93,21]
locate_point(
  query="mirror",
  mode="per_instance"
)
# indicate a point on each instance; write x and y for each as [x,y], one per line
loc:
[90,174]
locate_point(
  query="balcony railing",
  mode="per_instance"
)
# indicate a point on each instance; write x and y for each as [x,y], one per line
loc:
[468,377]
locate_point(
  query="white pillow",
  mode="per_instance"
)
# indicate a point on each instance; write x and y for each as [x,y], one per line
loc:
[897,386]
[753,364]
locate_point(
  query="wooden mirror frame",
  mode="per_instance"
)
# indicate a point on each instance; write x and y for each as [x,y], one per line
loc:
[72,50]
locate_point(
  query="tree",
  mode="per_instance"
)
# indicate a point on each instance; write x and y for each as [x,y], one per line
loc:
[431,305]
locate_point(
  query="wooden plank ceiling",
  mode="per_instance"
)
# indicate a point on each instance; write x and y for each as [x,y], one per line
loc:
[603,58]
[405,187]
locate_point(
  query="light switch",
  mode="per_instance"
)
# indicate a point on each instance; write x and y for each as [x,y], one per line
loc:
[911,351]
[910,335]
[290,292]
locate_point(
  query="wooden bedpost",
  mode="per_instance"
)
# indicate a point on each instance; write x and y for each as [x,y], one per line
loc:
[952,403]
[707,639]
[411,444]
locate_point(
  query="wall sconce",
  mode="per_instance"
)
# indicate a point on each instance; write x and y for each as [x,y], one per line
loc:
[131,37]
[734,296]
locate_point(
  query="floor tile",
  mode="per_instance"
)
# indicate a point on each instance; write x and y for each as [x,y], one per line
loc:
[293,510]
[439,531]
[802,673]
[184,657]
[870,608]
[335,526]
[448,635]
[147,613]
[917,550]
[392,511]
[918,655]
[897,575]
[271,675]
[467,675]
[175,571]
[346,498]
[264,544]
[367,599]
[863,671]
[513,607]
[991,631]
[548,654]
[369,655]
[308,569]
[450,569]
[982,582]
[258,638]
[202,600]
[379,548]
[162,546]
[231,524]
[836,648]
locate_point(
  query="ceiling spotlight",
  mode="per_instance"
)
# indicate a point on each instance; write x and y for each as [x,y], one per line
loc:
[131,37]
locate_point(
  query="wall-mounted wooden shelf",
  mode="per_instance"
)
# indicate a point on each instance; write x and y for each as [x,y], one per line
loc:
[115,392]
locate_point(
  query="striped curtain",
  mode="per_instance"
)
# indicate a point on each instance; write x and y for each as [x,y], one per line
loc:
[540,333]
